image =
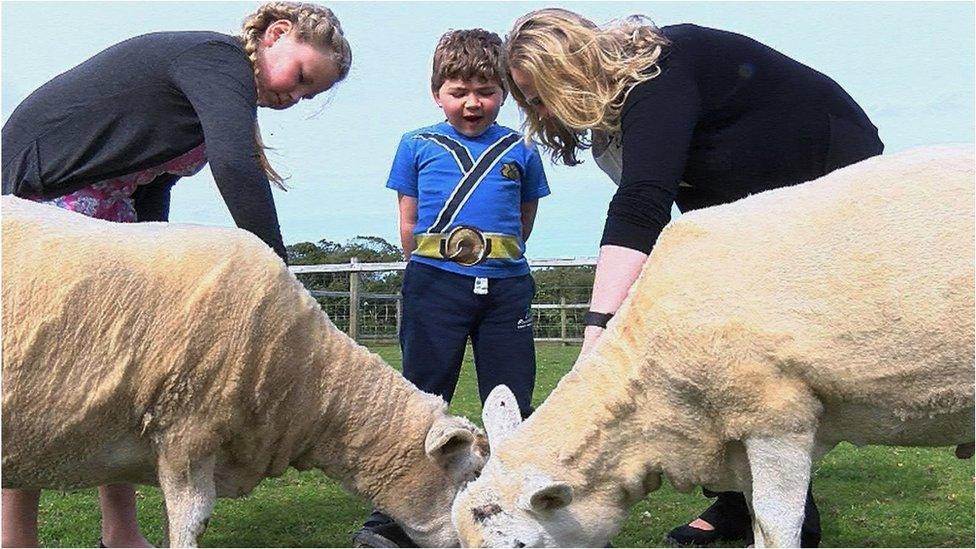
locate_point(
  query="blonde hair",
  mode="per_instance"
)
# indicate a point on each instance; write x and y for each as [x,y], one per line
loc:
[467,54]
[582,73]
[313,24]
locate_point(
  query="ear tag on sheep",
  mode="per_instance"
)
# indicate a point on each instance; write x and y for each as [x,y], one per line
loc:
[501,414]
[481,286]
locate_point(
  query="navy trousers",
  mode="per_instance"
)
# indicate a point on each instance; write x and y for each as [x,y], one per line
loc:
[441,311]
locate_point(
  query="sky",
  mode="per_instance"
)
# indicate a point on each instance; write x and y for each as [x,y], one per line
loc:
[910,65]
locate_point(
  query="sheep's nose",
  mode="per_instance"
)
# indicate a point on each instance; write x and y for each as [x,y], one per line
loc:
[518,544]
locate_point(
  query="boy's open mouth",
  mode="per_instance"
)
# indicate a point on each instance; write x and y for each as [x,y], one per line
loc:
[473,117]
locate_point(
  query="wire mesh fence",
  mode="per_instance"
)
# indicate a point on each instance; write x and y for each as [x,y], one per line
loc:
[562,294]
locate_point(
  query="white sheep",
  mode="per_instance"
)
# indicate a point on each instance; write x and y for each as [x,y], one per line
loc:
[190,357]
[759,335]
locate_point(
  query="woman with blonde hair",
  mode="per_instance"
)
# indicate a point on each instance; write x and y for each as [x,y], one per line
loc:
[110,137]
[683,115]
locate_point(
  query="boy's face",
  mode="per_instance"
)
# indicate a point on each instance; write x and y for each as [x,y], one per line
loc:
[471,106]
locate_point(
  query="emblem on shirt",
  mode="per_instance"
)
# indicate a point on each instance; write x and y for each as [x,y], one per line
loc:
[511,171]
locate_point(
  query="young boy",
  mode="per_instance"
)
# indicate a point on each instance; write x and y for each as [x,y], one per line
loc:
[467,190]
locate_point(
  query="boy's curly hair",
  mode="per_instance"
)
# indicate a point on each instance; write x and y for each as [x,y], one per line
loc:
[467,54]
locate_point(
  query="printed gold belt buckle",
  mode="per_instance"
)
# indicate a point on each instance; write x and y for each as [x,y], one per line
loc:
[465,246]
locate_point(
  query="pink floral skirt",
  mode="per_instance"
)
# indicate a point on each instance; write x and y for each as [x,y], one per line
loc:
[112,199]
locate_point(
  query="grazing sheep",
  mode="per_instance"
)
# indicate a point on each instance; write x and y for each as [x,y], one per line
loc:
[191,358]
[760,334]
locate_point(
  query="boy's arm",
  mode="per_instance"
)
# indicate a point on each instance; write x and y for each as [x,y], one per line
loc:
[528,217]
[408,221]
[403,179]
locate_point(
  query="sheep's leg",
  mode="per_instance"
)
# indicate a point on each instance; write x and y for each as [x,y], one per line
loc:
[780,468]
[190,495]
[165,525]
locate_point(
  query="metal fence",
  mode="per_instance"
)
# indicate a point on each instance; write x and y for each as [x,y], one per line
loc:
[345,292]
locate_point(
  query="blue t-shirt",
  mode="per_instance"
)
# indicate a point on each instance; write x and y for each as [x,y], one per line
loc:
[496,173]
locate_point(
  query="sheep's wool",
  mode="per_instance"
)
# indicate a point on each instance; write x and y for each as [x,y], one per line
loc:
[839,309]
[855,288]
[124,341]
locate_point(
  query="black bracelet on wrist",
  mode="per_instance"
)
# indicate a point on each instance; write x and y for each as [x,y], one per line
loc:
[593,318]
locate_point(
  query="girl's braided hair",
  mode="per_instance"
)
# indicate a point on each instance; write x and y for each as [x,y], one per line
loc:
[313,24]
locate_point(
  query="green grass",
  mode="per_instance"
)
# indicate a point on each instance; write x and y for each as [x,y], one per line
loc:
[872,496]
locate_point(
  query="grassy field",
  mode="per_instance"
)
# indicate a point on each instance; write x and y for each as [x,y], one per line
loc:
[869,497]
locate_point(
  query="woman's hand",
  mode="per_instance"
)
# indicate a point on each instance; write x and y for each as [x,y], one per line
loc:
[590,336]
[616,270]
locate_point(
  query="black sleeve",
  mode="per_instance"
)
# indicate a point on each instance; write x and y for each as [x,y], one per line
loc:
[152,200]
[218,81]
[657,123]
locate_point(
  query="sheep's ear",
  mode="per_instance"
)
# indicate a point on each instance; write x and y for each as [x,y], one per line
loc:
[450,444]
[501,414]
[542,495]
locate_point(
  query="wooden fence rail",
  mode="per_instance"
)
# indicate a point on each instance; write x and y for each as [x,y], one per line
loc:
[355,297]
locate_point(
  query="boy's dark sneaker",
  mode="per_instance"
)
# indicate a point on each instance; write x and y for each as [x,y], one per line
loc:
[380,530]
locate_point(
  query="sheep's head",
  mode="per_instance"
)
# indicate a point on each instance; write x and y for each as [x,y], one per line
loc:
[455,452]
[517,505]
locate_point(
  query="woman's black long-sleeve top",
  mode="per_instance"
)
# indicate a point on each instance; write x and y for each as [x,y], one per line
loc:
[136,105]
[726,117]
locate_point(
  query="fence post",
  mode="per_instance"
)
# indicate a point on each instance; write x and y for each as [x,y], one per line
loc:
[399,313]
[353,300]
[562,320]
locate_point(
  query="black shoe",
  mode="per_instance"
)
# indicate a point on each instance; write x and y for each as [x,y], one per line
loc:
[685,536]
[380,530]
[808,539]
[690,536]
[729,515]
